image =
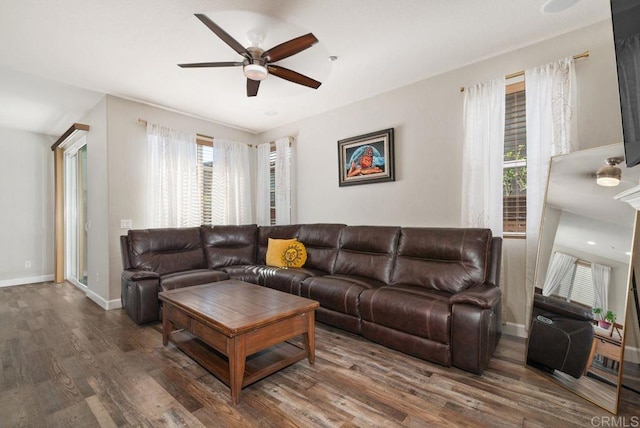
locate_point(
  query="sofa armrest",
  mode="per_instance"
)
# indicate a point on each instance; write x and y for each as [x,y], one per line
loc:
[139,296]
[476,326]
[484,296]
[139,274]
[561,307]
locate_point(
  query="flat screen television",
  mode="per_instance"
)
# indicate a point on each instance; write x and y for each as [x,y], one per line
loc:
[625,15]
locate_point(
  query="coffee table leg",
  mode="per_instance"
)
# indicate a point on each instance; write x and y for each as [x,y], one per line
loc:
[309,338]
[237,359]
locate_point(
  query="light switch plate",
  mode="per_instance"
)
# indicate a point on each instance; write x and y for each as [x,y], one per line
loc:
[126,224]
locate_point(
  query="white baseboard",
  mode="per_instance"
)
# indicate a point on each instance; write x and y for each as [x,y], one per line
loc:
[513,329]
[23,281]
[100,301]
[632,354]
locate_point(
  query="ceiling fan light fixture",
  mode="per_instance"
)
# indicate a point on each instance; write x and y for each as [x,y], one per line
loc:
[556,6]
[610,174]
[258,63]
[255,71]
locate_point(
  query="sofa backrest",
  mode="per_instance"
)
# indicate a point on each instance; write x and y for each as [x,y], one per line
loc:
[125,252]
[166,250]
[321,242]
[229,245]
[447,259]
[495,261]
[274,232]
[367,251]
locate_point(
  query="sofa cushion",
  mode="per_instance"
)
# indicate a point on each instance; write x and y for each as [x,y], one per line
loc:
[444,259]
[167,250]
[276,232]
[367,251]
[286,253]
[338,293]
[246,273]
[283,279]
[321,242]
[230,245]
[415,310]
[192,277]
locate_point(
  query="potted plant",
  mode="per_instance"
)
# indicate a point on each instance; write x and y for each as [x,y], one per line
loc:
[597,314]
[605,319]
[609,319]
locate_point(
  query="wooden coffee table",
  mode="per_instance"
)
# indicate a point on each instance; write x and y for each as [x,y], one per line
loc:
[237,330]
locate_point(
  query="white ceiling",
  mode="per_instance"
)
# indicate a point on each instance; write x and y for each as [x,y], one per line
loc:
[58,58]
[590,212]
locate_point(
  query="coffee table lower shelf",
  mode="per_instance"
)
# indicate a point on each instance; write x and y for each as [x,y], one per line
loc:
[257,366]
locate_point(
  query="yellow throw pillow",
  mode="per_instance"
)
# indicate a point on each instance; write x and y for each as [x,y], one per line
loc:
[286,253]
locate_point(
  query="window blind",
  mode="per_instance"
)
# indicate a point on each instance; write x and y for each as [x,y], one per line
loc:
[272,184]
[515,162]
[577,285]
[205,174]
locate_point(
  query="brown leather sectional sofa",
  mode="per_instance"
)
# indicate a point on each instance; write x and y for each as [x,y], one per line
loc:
[429,292]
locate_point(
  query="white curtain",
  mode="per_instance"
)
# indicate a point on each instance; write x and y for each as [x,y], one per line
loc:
[283,180]
[230,189]
[558,267]
[263,209]
[173,194]
[483,153]
[551,130]
[628,60]
[601,277]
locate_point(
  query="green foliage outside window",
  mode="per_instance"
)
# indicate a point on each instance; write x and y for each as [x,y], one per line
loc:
[515,178]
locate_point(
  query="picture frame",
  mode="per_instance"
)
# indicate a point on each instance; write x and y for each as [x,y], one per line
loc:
[366,158]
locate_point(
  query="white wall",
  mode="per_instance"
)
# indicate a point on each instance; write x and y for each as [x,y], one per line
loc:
[427,117]
[97,207]
[126,159]
[26,207]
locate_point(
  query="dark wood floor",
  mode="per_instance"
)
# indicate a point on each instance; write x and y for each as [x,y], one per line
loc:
[65,362]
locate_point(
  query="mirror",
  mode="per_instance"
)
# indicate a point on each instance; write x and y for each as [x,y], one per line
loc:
[584,254]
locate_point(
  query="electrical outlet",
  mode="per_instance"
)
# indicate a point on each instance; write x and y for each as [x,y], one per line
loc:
[126,224]
[27,264]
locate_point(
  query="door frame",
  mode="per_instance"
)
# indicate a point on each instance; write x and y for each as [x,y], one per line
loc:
[67,138]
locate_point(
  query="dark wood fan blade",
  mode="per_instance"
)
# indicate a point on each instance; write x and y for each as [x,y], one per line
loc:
[210,64]
[292,76]
[292,47]
[224,36]
[252,87]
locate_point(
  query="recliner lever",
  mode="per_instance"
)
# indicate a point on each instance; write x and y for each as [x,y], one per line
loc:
[544,319]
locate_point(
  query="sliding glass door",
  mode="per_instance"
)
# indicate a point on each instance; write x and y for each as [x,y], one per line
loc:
[75,183]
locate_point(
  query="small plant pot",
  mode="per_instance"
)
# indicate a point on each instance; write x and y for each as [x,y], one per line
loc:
[604,324]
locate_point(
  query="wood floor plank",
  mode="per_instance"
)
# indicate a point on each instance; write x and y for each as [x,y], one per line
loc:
[64,361]
[77,415]
[117,404]
[20,407]
[100,412]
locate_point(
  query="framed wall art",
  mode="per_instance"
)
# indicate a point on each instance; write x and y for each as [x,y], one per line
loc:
[366,158]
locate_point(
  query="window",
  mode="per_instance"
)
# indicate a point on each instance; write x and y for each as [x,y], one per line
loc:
[205,173]
[515,161]
[284,186]
[272,184]
[577,285]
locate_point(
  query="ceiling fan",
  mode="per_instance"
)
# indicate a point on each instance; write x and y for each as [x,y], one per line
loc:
[258,63]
